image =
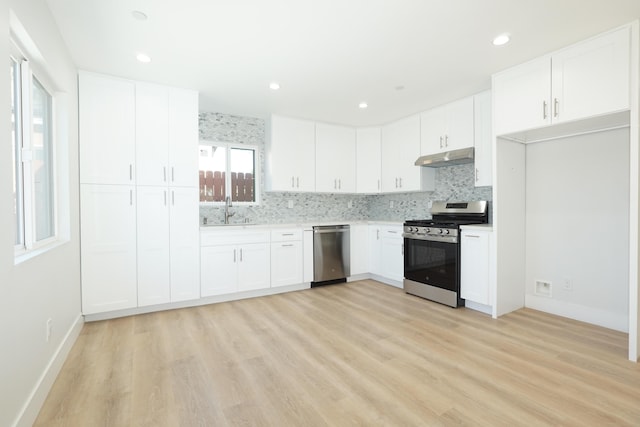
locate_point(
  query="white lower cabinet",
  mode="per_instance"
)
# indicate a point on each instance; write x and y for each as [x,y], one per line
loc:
[359,247]
[234,261]
[475,267]
[386,251]
[286,257]
[392,252]
[108,249]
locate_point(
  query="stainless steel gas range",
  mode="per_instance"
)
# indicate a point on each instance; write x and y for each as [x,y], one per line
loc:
[432,250]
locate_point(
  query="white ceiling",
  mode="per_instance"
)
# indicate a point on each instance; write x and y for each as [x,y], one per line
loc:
[327,55]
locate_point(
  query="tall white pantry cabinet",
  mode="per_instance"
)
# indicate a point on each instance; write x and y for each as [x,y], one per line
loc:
[139,193]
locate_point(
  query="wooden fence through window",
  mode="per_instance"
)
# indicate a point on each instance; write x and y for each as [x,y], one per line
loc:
[212,188]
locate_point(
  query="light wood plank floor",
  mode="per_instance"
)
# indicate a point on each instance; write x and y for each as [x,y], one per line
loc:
[356,354]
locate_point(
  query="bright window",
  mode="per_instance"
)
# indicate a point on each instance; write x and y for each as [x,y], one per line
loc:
[33,157]
[228,170]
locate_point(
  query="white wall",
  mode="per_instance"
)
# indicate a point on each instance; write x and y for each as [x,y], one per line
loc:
[47,286]
[577,226]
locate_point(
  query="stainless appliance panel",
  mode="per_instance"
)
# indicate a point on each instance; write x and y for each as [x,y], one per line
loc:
[331,248]
[433,293]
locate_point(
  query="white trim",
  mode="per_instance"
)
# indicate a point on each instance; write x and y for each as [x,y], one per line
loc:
[606,319]
[29,412]
[486,309]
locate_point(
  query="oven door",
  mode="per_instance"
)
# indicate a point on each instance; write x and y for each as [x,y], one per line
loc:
[433,263]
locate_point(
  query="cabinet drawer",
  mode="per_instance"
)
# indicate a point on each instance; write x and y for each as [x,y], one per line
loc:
[232,237]
[286,235]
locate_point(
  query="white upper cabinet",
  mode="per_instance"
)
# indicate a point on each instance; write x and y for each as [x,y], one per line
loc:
[107,130]
[446,128]
[482,141]
[290,155]
[368,161]
[183,138]
[335,159]
[400,148]
[584,80]
[152,134]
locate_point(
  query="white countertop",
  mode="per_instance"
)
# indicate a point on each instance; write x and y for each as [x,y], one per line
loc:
[290,225]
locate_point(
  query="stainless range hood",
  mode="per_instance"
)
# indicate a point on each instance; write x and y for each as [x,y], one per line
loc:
[448,158]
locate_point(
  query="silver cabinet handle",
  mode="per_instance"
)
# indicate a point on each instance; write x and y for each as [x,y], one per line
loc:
[234,255]
[284,246]
[477,175]
[165,197]
[378,234]
[400,182]
[240,254]
[298,182]
[555,107]
[446,140]
[287,234]
[130,172]
[131,197]
[544,110]
[164,173]
[173,178]
[293,183]
[472,235]
[396,182]
[339,184]
[335,184]
[440,141]
[173,198]
[402,250]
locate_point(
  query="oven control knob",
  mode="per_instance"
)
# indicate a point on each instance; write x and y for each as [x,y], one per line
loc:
[446,231]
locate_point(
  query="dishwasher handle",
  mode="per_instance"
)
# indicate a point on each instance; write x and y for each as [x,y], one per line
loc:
[331,229]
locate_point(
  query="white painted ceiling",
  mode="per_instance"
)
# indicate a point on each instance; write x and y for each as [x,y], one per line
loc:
[327,55]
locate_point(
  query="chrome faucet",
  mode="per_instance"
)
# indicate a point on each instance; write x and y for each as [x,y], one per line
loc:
[227,214]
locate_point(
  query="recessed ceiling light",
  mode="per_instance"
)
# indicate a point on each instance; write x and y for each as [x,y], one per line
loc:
[363,105]
[140,16]
[501,40]
[274,86]
[144,58]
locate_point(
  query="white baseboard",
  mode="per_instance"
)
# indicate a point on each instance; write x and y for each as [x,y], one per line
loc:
[32,406]
[486,309]
[387,281]
[606,319]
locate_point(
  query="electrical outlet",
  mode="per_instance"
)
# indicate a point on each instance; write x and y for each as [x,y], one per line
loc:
[350,204]
[49,328]
[290,204]
[391,204]
[567,284]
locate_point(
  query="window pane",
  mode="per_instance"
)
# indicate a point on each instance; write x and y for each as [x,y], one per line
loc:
[42,162]
[243,180]
[16,145]
[213,161]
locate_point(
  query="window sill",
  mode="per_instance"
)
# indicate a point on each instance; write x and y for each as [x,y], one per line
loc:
[27,255]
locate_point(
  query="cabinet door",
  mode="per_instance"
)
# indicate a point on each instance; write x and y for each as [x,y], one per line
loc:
[254,266]
[184,238]
[108,249]
[359,247]
[286,263]
[459,120]
[183,138]
[152,134]
[591,78]
[400,149]
[335,159]
[107,130]
[375,255]
[291,155]
[153,245]
[392,254]
[432,131]
[521,97]
[218,270]
[474,270]
[368,160]
[483,139]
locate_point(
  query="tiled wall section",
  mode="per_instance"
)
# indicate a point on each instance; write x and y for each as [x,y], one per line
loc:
[452,183]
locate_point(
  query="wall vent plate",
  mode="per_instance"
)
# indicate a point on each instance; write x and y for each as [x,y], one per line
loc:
[543,288]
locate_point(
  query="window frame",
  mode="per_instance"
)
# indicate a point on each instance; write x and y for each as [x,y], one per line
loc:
[227,181]
[23,158]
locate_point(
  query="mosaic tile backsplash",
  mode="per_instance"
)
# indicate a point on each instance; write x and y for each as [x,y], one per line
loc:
[452,183]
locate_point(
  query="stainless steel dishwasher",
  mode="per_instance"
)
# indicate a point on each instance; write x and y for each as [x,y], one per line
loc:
[331,259]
